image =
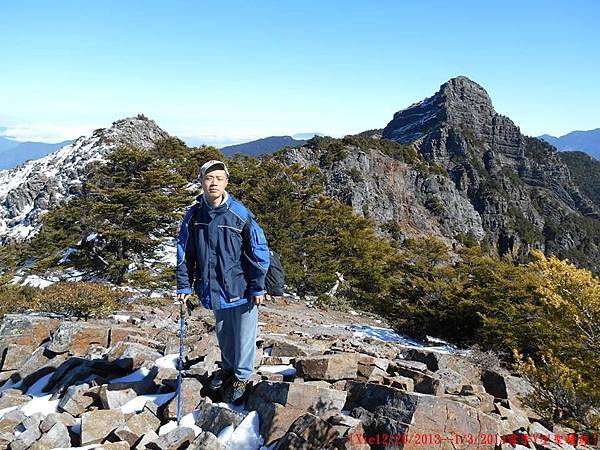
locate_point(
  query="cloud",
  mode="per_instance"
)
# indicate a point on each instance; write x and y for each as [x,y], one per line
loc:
[46,132]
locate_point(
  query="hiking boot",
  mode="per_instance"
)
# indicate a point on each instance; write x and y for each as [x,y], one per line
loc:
[219,378]
[236,391]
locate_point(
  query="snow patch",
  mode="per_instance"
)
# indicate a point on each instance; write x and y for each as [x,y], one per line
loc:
[138,375]
[170,361]
[283,369]
[137,404]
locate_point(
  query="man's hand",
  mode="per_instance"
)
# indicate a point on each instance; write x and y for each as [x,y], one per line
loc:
[182,300]
[258,299]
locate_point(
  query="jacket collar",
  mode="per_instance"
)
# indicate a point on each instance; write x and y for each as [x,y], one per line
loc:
[201,198]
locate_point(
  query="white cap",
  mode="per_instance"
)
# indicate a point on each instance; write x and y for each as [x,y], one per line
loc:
[211,163]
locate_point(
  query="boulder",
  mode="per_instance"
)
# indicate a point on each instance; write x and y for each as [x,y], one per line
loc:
[124,434]
[76,399]
[10,420]
[385,410]
[31,434]
[327,367]
[143,423]
[371,368]
[308,432]
[15,356]
[175,439]
[56,437]
[131,356]
[76,338]
[285,346]
[349,430]
[191,398]
[436,360]
[97,425]
[27,329]
[53,418]
[113,398]
[214,418]
[150,436]
[404,383]
[452,380]
[26,439]
[279,404]
[423,382]
[13,397]
[207,441]
[120,333]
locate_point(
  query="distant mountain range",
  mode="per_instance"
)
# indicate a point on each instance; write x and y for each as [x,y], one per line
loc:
[268,145]
[584,141]
[13,153]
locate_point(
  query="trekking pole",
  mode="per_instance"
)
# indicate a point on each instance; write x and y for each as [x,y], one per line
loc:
[180,365]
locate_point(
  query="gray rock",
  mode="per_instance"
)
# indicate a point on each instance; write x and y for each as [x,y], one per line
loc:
[56,437]
[150,436]
[214,418]
[97,425]
[26,439]
[114,398]
[191,398]
[285,346]
[76,338]
[10,420]
[76,399]
[279,404]
[206,441]
[33,421]
[51,419]
[452,381]
[13,397]
[175,439]
[143,422]
[131,356]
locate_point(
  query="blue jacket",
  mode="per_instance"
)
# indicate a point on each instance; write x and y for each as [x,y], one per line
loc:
[222,253]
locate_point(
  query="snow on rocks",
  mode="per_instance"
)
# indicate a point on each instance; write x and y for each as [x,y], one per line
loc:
[308,388]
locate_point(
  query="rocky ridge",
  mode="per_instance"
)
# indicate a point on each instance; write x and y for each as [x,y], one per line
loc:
[36,186]
[497,185]
[323,382]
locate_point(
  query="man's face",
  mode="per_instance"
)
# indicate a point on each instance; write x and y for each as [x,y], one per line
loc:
[214,183]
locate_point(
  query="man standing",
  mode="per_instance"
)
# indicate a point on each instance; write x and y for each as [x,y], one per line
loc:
[223,254]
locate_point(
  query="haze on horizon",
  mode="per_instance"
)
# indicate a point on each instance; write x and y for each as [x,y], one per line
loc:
[233,72]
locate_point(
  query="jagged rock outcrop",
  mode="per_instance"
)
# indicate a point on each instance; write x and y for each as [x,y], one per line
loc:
[511,191]
[389,190]
[34,187]
[517,184]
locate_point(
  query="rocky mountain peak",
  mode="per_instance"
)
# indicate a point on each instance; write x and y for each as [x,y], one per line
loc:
[459,102]
[139,131]
[32,188]
[462,90]
[517,184]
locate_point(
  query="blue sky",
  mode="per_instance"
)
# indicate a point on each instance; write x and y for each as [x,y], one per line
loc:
[233,71]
